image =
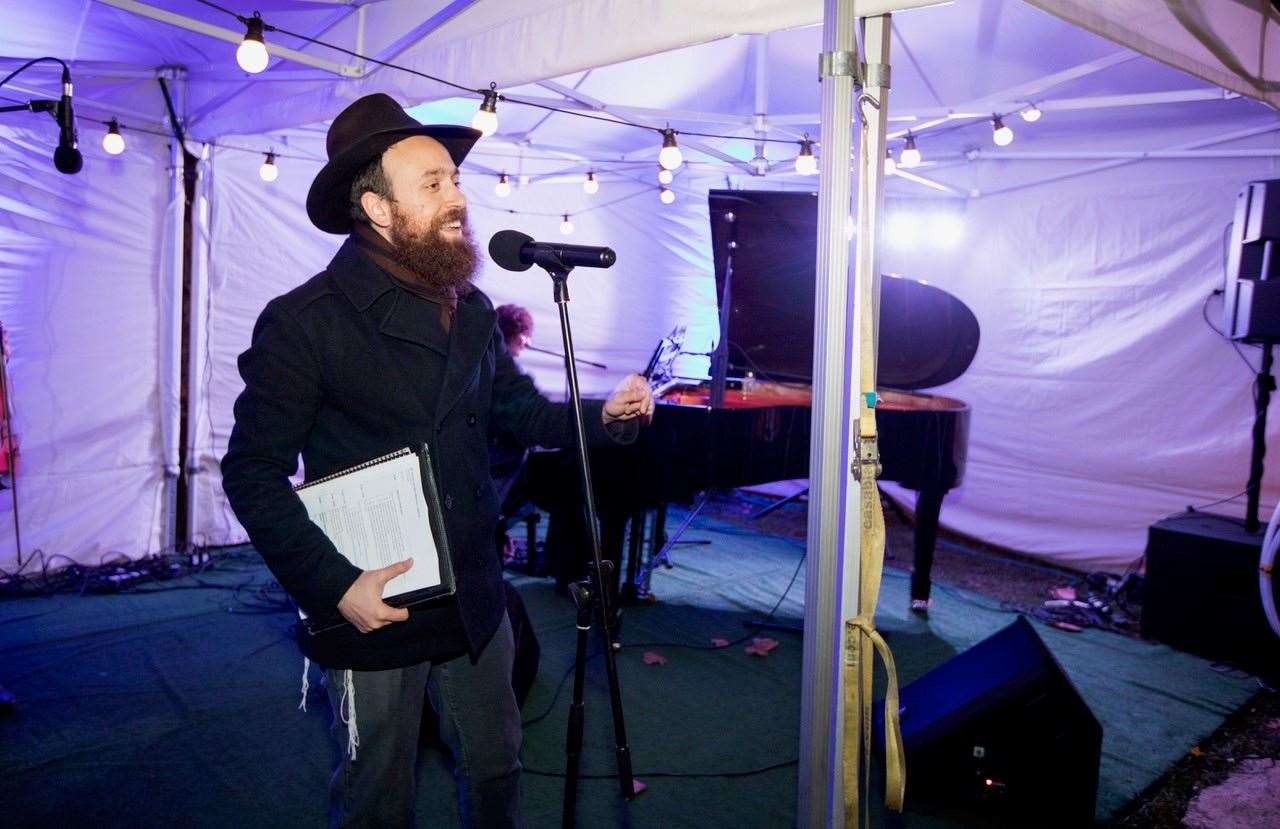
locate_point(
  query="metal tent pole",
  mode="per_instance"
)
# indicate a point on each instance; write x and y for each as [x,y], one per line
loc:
[819,799]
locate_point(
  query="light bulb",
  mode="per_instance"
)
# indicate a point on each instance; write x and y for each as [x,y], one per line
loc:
[503,188]
[486,117]
[665,176]
[252,53]
[890,166]
[667,196]
[591,186]
[566,227]
[806,164]
[1031,114]
[1000,134]
[669,157]
[269,171]
[910,156]
[113,141]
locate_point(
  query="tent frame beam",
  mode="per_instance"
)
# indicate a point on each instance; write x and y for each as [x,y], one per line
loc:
[1121,162]
[600,106]
[220,33]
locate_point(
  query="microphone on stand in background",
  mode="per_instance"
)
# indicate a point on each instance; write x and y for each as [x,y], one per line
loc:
[67,157]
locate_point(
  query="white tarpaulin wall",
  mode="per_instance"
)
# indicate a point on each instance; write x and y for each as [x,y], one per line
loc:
[1023,489]
[81,296]
[1101,399]
[263,246]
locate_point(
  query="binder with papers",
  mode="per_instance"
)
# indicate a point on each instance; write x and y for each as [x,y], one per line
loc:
[381,512]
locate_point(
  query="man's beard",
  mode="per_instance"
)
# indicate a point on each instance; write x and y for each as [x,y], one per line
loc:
[441,264]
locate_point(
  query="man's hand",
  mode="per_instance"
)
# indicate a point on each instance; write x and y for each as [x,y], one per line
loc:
[632,398]
[362,604]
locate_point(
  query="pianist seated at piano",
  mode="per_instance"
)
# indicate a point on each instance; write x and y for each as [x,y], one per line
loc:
[506,455]
[750,422]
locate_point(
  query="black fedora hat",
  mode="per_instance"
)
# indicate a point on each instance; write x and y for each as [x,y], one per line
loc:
[361,133]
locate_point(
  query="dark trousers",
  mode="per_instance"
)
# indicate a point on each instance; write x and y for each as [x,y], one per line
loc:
[479,722]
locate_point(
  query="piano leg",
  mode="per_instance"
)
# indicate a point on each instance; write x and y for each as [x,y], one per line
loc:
[613,537]
[634,551]
[928,508]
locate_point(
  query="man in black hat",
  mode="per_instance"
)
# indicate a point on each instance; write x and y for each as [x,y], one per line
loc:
[391,346]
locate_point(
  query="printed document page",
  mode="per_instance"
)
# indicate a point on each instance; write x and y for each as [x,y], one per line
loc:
[377,516]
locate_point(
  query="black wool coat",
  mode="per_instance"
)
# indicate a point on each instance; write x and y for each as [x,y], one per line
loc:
[350,366]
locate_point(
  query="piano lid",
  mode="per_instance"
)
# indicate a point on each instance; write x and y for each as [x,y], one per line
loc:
[927,336]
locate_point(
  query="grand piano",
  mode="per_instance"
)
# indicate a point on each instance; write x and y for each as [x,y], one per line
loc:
[755,428]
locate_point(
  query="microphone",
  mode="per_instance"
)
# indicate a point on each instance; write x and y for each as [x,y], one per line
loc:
[66,157]
[515,251]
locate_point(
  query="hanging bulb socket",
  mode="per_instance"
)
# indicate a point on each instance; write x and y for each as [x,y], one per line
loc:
[486,117]
[910,156]
[566,226]
[269,171]
[113,141]
[503,188]
[252,53]
[591,186]
[670,157]
[806,163]
[1000,133]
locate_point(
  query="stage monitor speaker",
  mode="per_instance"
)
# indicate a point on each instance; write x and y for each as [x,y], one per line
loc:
[998,735]
[1251,292]
[1201,592]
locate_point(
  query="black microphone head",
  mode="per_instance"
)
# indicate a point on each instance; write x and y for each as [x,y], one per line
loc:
[504,248]
[67,159]
[607,257]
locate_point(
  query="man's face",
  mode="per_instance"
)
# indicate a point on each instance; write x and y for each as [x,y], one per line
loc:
[428,227]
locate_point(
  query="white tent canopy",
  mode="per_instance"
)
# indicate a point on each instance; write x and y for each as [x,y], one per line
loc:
[1087,248]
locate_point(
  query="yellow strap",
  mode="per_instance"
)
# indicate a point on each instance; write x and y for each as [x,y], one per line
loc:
[860,630]
[859,668]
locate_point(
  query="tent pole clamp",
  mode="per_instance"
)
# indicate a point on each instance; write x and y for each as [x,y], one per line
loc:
[840,63]
[876,74]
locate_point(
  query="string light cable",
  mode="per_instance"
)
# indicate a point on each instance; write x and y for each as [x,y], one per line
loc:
[489,96]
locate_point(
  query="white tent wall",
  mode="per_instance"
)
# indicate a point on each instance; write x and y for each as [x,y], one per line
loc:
[1089,291]
[81,294]
[262,245]
[1101,400]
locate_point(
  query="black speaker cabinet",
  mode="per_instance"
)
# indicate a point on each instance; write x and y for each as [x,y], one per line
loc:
[998,735]
[1201,592]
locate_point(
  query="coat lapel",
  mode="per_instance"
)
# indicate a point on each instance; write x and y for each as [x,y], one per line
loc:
[415,320]
[473,325]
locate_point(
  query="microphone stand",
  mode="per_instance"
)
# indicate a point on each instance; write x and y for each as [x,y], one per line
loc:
[561,356]
[39,105]
[591,597]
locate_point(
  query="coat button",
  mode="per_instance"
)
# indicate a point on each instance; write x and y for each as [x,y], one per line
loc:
[471,420]
[448,501]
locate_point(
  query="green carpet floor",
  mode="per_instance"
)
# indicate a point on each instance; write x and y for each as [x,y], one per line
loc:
[179,708]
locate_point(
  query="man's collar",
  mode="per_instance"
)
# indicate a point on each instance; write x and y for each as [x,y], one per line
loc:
[359,278]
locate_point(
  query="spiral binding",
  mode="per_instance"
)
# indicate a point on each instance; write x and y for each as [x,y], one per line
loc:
[400,453]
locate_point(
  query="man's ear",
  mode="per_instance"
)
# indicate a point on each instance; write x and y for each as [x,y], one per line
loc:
[376,208]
